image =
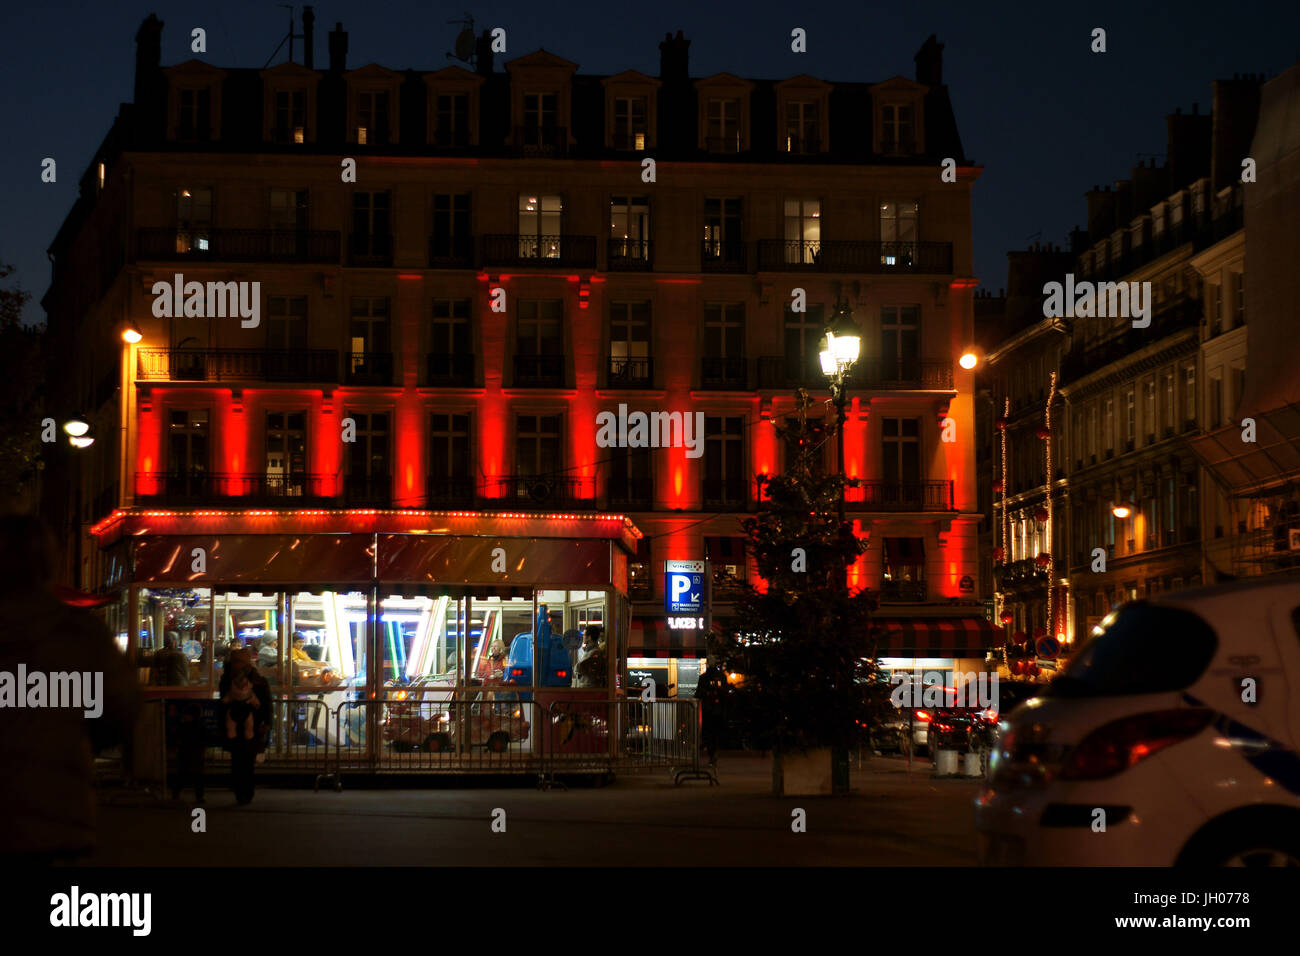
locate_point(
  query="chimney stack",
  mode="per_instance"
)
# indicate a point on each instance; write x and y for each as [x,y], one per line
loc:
[308,38]
[674,58]
[929,62]
[483,54]
[148,57]
[338,49]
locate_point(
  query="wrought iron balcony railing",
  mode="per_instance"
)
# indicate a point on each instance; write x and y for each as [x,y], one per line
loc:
[293,489]
[852,256]
[451,252]
[370,249]
[723,373]
[460,492]
[521,250]
[232,365]
[634,493]
[454,370]
[631,373]
[539,371]
[904,592]
[629,255]
[722,494]
[905,496]
[238,245]
[370,368]
[537,491]
[368,491]
[717,255]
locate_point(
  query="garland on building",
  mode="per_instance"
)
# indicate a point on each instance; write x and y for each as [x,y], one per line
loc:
[1051,555]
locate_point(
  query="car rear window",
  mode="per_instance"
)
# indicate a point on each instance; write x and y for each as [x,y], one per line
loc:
[1145,649]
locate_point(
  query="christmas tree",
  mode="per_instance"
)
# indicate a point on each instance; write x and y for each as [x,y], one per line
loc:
[802,643]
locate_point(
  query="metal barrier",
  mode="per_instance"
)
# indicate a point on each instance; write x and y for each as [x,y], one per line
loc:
[623,736]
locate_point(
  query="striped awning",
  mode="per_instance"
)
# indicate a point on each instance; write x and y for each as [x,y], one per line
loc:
[934,636]
[651,637]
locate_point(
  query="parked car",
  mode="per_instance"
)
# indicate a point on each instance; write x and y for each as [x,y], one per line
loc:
[410,725]
[1147,730]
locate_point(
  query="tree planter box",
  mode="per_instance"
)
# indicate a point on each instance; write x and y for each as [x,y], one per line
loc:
[822,771]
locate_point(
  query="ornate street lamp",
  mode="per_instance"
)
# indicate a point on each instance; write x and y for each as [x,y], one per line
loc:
[840,349]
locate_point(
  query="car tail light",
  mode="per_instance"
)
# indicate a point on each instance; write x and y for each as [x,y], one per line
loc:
[516,672]
[923,715]
[1121,744]
[561,673]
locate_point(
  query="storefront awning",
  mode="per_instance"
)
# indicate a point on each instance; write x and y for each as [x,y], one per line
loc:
[934,636]
[1246,468]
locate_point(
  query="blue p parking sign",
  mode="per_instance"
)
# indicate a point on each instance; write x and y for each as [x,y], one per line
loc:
[683,587]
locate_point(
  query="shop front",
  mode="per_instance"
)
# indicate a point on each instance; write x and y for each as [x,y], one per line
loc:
[387,636]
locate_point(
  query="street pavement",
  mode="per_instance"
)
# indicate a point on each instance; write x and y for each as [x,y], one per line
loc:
[891,818]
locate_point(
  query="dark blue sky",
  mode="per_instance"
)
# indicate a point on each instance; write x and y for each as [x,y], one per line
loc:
[1044,116]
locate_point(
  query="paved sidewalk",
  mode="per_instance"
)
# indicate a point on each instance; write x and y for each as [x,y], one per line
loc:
[890,819]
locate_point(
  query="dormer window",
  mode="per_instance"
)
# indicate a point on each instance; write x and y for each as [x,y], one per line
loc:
[453,97]
[372,118]
[896,121]
[451,116]
[802,126]
[722,126]
[194,115]
[541,103]
[630,125]
[290,116]
[373,106]
[898,117]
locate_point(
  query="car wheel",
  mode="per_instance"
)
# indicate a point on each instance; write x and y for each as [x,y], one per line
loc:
[499,742]
[1256,841]
[436,743]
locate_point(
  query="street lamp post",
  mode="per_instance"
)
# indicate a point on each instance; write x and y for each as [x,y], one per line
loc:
[840,350]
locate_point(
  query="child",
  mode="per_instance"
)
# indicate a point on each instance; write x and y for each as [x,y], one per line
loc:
[239,700]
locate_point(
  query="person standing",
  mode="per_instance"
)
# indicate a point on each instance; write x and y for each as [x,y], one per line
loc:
[246,717]
[711,693]
[47,804]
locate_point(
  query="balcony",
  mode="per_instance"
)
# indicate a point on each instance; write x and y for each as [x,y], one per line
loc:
[727,374]
[904,592]
[450,371]
[238,365]
[537,491]
[630,373]
[721,494]
[237,245]
[776,372]
[451,252]
[1081,361]
[365,249]
[629,255]
[541,141]
[633,493]
[539,371]
[852,256]
[292,490]
[370,368]
[905,496]
[559,252]
[459,492]
[719,256]
[368,491]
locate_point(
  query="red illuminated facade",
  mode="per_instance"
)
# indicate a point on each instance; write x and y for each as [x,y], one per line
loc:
[439,334]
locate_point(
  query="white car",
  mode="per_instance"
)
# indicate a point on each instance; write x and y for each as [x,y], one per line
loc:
[1153,731]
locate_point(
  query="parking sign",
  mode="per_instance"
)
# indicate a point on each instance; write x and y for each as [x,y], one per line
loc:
[683,587]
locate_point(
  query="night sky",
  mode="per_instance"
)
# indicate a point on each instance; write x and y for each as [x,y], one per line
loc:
[1045,117]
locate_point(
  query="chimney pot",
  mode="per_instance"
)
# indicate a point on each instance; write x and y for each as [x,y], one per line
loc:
[308,38]
[338,49]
